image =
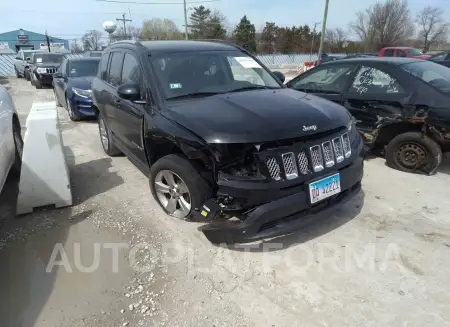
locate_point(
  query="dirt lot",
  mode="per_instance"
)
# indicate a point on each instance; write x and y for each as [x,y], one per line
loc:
[381,260]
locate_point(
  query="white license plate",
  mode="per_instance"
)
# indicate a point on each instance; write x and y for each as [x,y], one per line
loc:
[324,188]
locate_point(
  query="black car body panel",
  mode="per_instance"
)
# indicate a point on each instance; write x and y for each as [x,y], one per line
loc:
[232,137]
[257,116]
[441,58]
[417,106]
[75,89]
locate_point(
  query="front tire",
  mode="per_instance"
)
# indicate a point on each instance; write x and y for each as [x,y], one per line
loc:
[106,139]
[37,84]
[72,115]
[414,152]
[177,186]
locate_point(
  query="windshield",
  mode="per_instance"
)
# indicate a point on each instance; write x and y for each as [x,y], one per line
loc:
[209,73]
[78,68]
[48,58]
[414,52]
[431,73]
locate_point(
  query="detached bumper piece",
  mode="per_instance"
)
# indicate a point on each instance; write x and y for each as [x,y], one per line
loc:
[285,215]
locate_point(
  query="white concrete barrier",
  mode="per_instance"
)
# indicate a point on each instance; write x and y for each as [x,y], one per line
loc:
[44,178]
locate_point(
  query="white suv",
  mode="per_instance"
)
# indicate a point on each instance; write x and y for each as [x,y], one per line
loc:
[21,62]
[11,143]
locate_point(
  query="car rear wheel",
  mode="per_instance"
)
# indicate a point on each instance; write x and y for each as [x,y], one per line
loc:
[18,143]
[177,186]
[414,152]
[17,73]
[105,137]
[72,115]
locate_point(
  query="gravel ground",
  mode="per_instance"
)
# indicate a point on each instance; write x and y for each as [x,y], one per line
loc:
[381,260]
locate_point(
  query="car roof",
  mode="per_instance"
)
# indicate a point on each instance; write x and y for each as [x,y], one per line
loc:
[385,60]
[170,46]
[84,59]
[398,48]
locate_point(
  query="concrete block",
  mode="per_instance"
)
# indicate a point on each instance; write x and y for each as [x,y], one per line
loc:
[44,178]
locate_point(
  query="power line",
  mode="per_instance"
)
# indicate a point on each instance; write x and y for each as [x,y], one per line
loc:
[156,3]
[124,20]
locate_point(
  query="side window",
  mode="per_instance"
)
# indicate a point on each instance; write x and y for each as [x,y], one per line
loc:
[115,69]
[400,53]
[329,79]
[131,72]
[388,53]
[371,80]
[103,66]
[447,56]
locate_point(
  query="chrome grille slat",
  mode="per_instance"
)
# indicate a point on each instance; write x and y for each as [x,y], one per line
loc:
[289,165]
[328,154]
[50,70]
[338,151]
[316,158]
[346,145]
[303,163]
[274,168]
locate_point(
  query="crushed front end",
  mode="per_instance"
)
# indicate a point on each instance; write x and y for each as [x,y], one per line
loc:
[284,185]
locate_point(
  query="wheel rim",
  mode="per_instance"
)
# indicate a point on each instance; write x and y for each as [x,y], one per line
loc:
[411,156]
[19,144]
[173,194]
[69,108]
[103,134]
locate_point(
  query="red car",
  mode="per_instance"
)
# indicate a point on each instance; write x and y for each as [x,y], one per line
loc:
[402,52]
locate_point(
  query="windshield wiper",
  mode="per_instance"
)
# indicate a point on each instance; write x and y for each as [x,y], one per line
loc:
[252,87]
[193,95]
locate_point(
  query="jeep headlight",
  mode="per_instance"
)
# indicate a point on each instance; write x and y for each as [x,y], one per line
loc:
[41,70]
[82,93]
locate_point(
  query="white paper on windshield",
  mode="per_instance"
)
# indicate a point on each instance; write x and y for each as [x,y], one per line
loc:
[38,59]
[247,62]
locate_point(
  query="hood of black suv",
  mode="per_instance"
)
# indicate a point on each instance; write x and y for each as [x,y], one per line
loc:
[257,116]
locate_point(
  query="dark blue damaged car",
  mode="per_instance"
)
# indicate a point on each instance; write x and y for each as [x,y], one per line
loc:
[72,86]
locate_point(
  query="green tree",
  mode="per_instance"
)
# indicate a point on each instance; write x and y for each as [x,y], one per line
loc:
[244,34]
[268,38]
[199,22]
[215,24]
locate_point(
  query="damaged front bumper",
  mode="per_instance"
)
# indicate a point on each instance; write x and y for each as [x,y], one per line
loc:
[280,211]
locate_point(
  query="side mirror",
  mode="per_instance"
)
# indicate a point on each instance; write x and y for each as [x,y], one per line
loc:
[58,75]
[129,91]
[280,76]
[28,59]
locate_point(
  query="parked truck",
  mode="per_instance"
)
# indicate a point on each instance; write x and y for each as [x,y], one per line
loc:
[21,62]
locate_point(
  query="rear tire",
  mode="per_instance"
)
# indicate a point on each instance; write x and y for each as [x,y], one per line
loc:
[414,152]
[37,84]
[17,73]
[18,143]
[186,175]
[106,139]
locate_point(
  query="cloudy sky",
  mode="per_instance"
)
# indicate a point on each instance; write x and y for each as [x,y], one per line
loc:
[60,21]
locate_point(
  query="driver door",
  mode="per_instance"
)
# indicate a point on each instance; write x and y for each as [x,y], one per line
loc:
[327,81]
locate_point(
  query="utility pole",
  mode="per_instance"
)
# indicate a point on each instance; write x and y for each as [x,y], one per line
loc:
[124,20]
[324,26]
[47,40]
[185,21]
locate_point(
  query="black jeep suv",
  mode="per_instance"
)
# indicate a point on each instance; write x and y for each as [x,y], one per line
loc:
[42,68]
[222,139]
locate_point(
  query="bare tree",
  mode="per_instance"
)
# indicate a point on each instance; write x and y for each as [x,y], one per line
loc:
[132,32]
[160,29]
[385,23]
[76,46]
[335,35]
[432,27]
[92,40]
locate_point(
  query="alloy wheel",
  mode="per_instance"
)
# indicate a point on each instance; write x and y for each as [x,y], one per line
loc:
[103,134]
[173,194]
[69,108]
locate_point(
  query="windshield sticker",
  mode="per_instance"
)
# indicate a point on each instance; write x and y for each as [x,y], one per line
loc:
[175,86]
[247,62]
[38,59]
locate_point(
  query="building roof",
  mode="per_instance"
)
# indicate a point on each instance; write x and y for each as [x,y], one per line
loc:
[26,32]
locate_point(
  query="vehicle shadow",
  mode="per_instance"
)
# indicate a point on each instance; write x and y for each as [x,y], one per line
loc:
[27,242]
[90,178]
[323,223]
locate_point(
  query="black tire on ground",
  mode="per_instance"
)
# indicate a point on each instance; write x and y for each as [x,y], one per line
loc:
[31,80]
[18,142]
[58,104]
[17,73]
[109,148]
[426,153]
[72,115]
[199,189]
[27,76]
[37,84]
